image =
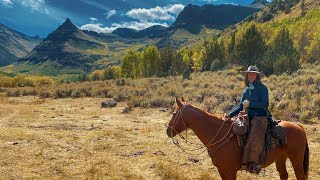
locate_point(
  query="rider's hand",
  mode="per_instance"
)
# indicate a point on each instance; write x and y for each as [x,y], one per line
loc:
[227,116]
[245,104]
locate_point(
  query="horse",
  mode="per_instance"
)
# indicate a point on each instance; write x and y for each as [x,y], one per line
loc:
[217,136]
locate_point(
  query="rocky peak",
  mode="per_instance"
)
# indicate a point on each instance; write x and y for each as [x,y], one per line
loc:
[68,25]
[66,30]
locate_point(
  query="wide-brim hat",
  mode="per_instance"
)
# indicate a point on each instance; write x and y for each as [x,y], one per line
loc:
[253,69]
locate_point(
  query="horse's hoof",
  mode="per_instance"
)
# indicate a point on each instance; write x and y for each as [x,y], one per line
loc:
[243,167]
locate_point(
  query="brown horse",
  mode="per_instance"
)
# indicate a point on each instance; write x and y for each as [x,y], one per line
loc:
[222,145]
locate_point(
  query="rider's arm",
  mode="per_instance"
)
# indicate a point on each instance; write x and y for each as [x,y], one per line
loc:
[239,107]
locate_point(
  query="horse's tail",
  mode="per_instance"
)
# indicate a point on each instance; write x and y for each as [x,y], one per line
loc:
[306,161]
[306,157]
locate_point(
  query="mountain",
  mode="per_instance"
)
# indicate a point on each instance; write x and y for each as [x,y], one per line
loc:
[260,4]
[193,18]
[69,50]
[275,9]
[14,45]
[67,46]
[151,32]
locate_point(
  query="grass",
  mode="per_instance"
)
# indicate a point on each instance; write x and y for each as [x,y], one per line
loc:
[65,134]
[76,139]
[292,97]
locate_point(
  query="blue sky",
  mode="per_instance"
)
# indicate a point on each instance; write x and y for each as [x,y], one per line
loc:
[40,17]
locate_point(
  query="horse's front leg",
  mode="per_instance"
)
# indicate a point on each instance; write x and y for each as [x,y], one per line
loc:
[227,175]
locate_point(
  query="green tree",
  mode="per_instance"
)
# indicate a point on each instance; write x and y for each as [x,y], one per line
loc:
[188,59]
[282,55]
[131,64]
[166,59]
[112,72]
[251,48]
[177,65]
[213,55]
[230,48]
[150,61]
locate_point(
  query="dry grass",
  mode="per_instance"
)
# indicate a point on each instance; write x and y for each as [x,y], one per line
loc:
[292,97]
[76,139]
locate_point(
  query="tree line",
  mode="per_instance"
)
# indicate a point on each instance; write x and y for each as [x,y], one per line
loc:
[277,57]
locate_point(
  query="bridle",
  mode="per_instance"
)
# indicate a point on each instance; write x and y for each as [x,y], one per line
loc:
[203,147]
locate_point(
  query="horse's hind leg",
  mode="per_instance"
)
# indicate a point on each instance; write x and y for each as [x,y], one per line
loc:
[297,164]
[281,167]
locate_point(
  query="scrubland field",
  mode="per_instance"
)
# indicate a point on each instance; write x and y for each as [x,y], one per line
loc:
[61,131]
[77,139]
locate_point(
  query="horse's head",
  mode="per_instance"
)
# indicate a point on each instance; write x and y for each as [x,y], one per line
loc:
[177,123]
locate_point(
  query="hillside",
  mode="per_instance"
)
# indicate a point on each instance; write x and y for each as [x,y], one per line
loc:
[193,18]
[67,50]
[67,45]
[260,4]
[14,45]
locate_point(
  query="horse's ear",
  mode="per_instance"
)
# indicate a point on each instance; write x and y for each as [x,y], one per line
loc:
[178,102]
[182,99]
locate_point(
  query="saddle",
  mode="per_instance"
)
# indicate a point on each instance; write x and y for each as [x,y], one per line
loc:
[275,136]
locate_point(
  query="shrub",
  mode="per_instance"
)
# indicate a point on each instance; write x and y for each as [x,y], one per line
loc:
[45,94]
[62,93]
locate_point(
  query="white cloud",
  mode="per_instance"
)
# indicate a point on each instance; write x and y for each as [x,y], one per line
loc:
[158,13]
[6,2]
[97,28]
[35,5]
[93,19]
[138,25]
[133,25]
[175,8]
[110,13]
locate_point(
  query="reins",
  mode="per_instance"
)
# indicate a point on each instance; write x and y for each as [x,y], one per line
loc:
[204,147]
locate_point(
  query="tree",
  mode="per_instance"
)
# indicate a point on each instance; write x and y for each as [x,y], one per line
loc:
[177,65]
[188,59]
[166,59]
[282,55]
[150,61]
[96,75]
[230,48]
[251,48]
[112,72]
[212,51]
[131,64]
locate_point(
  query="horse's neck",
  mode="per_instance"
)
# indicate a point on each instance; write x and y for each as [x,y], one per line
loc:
[205,126]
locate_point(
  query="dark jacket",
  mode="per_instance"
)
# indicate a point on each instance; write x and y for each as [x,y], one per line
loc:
[258,98]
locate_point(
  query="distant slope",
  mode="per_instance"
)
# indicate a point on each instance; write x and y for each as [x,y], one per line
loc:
[260,4]
[68,46]
[14,45]
[152,32]
[193,18]
[69,50]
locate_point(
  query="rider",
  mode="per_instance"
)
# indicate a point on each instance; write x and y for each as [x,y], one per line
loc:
[256,93]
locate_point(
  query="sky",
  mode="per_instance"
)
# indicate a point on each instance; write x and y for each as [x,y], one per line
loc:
[40,17]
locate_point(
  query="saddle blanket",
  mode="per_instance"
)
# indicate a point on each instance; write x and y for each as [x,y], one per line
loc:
[270,140]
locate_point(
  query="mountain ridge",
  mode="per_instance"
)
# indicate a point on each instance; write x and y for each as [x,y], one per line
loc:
[70,47]
[15,45]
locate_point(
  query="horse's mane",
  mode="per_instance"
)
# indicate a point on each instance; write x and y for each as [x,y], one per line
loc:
[214,116]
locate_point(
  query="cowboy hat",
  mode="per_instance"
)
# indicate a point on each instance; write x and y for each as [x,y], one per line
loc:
[253,69]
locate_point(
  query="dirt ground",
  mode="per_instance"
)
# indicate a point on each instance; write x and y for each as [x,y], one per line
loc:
[77,139]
